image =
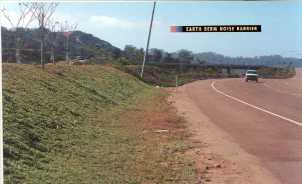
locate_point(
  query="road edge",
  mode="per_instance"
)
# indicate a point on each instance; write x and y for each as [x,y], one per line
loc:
[229,161]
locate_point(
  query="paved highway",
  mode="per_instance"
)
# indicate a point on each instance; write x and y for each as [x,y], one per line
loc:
[264,118]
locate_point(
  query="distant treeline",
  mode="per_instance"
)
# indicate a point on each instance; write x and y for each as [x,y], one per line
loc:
[185,56]
[87,45]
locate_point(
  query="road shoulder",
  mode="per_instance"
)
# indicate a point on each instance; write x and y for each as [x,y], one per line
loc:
[218,158]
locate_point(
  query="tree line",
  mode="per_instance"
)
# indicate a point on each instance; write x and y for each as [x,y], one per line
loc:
[183,56]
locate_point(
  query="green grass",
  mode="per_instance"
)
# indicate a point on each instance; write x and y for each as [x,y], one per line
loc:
[84,124]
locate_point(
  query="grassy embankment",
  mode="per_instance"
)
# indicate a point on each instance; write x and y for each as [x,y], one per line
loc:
[89,124]
[166,75]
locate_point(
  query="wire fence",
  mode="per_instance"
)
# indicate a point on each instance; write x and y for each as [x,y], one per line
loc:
[34,50]
[28,56]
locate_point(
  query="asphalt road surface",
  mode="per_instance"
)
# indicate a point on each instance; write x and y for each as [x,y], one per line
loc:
[264,118]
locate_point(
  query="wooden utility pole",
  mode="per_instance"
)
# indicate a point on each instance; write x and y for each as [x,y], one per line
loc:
[148,41]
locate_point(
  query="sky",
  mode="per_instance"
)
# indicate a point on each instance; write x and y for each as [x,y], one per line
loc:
[122,23]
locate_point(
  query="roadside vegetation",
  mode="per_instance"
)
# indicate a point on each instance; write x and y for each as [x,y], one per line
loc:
[174,75]
[170,76]
[89,124]
[277,73]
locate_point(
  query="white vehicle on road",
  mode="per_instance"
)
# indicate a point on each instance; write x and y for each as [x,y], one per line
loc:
[251,75]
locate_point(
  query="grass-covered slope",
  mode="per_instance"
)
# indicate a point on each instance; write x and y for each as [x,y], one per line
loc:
[87,124]
[166,76]
[170,76]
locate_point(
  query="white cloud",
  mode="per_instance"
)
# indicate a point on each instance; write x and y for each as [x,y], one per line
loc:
[112,22]
[62,17]
[14,16]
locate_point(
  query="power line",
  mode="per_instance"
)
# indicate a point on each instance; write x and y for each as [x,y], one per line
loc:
[21,49]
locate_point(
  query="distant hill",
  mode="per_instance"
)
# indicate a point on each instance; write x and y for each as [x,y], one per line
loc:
[271,60]
[87,45]
[81,44]
[188,57]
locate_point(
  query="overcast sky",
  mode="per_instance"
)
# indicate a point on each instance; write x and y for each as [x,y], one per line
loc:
[127,23]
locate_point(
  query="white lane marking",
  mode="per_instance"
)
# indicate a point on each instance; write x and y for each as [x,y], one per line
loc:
[255,107]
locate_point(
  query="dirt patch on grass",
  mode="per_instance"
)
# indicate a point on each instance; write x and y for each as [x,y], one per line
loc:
[165,140]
